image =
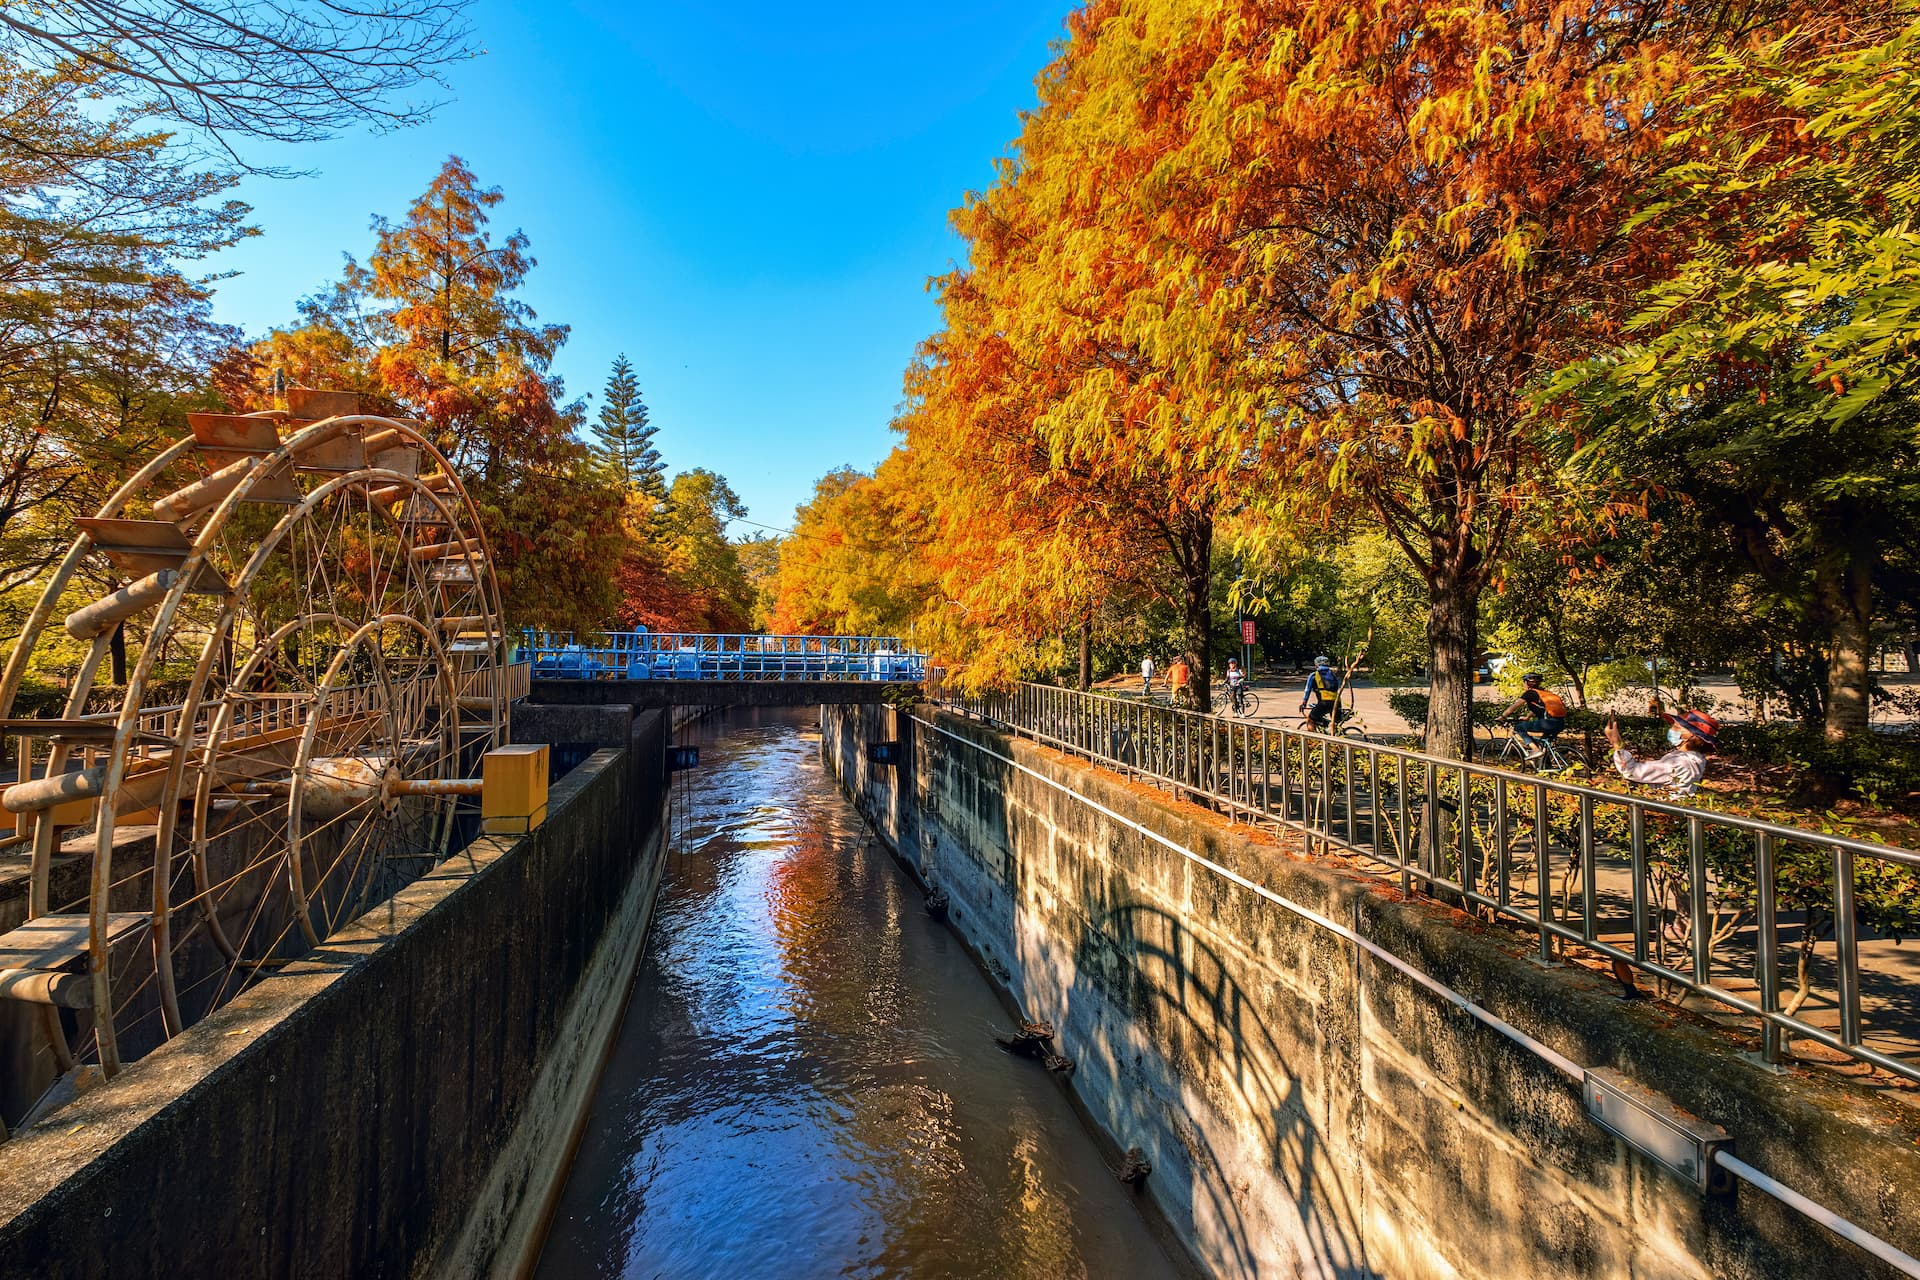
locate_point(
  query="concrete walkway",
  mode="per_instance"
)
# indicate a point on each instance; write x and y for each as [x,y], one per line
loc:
[1280,699]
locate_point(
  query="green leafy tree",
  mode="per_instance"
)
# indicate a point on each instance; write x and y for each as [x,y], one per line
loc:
[689,576]
[1773,379]
[96,213]
[1592,607]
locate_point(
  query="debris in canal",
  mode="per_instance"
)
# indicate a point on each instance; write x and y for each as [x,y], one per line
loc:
[1134,1169]
[937,904]
[1035,1040]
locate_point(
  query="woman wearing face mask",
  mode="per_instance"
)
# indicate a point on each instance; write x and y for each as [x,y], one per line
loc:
[1691,733]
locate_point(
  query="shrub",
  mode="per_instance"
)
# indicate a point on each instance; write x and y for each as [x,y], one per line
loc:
[1882,770]
[1411,705]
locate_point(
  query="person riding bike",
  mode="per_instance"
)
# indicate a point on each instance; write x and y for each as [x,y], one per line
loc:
[1236,682]
[1322,696]
[1146,676]
[1178,676]
[1548,714]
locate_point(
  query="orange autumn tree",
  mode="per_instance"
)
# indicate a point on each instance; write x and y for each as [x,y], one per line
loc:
[433,327]
[856,562]
[1070,476]
[1405,212]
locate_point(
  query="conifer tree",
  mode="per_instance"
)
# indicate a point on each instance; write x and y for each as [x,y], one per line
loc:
[626,437]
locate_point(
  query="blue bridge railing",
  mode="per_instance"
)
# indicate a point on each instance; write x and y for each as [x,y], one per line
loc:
[665,655]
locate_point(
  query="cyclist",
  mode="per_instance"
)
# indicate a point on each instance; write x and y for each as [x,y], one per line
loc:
[1548,714]
[1236,682]
[1322,693]
[1146,676]
[1691,734]
[1177,677]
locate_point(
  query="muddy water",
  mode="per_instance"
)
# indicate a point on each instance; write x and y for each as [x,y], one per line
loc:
[806,1083]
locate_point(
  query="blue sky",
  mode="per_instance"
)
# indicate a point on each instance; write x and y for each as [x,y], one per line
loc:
[746,199]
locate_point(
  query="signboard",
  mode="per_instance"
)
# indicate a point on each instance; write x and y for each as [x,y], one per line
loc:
[1246,631]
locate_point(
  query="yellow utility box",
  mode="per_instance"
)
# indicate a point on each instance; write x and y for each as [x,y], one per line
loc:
[513,789]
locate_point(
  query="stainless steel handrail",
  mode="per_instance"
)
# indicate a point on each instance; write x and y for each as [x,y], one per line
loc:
[1403,811]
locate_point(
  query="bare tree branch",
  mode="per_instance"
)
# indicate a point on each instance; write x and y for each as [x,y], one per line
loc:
[280,70]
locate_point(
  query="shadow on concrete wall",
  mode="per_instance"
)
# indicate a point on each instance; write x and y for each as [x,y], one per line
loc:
[1161,1026]
[1182,995]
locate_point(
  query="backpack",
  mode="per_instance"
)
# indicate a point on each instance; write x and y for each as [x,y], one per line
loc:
[1552,704]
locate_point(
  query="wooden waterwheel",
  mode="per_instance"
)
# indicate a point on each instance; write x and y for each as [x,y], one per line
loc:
[316,663]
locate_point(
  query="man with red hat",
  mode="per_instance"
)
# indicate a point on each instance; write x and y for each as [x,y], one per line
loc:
[1691,733]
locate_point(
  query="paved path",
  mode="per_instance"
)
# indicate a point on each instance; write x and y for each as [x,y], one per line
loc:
[1280,699]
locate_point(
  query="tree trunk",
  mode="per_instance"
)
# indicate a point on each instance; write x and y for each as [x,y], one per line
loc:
[1450,644]
[1197,614]
[1846,596]
[1086,653]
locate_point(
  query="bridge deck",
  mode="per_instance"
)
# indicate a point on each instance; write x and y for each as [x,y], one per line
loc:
[675,657]
[642,694]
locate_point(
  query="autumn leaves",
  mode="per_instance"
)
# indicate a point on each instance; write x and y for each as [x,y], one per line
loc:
[1258,274]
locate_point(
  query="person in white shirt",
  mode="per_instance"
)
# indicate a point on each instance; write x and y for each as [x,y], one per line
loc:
[1691,733]
[1146,676]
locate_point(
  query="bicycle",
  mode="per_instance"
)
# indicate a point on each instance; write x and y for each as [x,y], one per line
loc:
[1553,757]
[1346,724]
[1242,700]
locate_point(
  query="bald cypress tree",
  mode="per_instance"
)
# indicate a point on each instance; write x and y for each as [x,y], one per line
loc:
[626,437]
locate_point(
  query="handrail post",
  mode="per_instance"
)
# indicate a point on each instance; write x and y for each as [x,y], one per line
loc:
[1543,869]
[1589,895]
[1846,940]
[1465,817]
[1266,772]
[1699,926]
[1346,780]
[1637,837]
[1373,801]
[1500,852]
[1403,841]
[1767,946]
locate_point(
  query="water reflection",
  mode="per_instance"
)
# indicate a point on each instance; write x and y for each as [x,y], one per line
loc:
[806,1084]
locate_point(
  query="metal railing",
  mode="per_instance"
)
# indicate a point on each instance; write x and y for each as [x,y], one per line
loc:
[1705,902]
[661,655]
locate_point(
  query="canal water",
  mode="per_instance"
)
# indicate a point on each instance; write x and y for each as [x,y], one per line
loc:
[806,1082]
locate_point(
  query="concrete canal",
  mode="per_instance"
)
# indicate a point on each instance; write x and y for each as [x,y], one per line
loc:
[806,1082]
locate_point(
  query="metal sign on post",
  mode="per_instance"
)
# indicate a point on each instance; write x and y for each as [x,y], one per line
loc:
[1246,631]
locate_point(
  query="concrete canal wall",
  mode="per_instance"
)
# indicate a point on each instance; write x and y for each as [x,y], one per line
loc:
[401,1103]
[1309,1110]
